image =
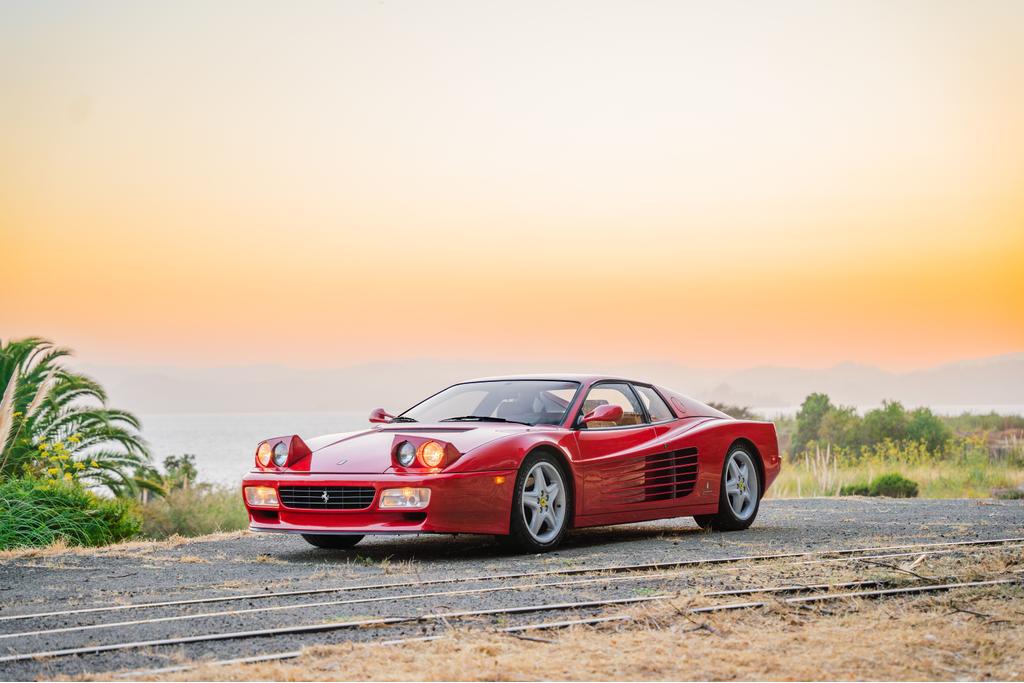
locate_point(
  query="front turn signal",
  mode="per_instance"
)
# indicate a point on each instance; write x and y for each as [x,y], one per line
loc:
[261,496]
[407,498]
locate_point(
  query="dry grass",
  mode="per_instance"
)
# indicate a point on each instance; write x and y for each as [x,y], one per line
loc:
[922,639]
[973,634]
[822,477]
[130,548]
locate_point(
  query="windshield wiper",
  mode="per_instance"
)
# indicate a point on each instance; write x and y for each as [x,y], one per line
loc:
[402,418]
[483,418]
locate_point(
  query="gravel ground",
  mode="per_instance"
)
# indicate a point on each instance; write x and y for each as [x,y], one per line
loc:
[251,563]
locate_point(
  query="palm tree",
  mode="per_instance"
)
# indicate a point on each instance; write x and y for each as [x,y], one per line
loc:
[54,423]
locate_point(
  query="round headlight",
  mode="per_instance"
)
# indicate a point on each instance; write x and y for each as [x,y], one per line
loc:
[431,453]
[406,453]
[263,454]
[280,454]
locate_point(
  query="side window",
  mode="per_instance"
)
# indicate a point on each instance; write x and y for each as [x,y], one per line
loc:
[656,407]
[616,395]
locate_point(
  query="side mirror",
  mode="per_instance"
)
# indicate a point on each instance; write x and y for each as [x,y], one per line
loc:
[605,413]
[380,415]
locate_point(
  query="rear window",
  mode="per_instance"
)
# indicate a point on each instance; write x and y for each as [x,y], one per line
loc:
[656,407]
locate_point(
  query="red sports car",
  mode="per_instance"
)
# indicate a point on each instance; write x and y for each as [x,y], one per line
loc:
[525,458]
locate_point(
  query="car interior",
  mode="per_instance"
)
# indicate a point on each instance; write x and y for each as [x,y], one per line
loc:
[614,394]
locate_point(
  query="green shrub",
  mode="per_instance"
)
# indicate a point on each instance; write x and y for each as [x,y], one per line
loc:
[858,489]
[194,511]
[35,513]
[893,485]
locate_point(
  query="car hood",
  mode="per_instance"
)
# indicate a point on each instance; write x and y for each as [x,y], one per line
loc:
[369,451]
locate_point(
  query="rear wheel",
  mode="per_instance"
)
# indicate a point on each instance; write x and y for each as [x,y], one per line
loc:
[332,541]
[540,505]
[739,496]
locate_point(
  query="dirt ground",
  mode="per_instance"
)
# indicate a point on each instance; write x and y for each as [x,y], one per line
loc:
[972,634]
[411,577]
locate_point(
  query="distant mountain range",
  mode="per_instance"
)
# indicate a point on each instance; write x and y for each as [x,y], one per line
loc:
[395,385]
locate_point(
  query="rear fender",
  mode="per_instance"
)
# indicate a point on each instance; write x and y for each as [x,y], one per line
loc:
[713,438]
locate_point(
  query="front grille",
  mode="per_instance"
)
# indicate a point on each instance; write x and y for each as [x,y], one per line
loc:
[326,497]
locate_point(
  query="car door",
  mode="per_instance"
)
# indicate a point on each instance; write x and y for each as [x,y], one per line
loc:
[611,455]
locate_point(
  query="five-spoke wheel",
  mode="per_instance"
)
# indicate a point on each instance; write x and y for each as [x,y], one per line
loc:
[740,493]
[540,507]
[543,502]
[741,484]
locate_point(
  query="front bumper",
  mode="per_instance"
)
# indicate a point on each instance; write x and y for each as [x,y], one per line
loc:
[460,502]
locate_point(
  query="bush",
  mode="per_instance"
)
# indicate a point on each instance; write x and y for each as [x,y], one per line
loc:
[35,513]
[893,486]
[194,511]
[859,489]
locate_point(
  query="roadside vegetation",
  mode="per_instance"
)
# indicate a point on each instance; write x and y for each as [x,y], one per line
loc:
[77,472]
[831,450]
[69,464]
[189,507]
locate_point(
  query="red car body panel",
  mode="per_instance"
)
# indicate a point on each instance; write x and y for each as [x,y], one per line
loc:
[473,491]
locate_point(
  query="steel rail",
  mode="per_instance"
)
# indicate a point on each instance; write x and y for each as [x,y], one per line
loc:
[325,626]
[420,596]
[380,621]
[884,592]
[648,566]
[335,603]
[824,597]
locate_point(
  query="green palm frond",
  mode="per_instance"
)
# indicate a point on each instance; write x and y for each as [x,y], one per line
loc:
[46,404]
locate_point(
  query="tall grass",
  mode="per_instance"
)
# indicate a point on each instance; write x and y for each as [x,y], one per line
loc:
[968,471]
[194,511]
[37,513]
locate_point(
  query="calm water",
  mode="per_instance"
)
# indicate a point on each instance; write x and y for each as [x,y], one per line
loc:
[224,443]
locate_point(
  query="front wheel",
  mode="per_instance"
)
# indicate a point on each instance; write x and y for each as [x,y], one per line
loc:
[540,505]
[739,496]
[332,541]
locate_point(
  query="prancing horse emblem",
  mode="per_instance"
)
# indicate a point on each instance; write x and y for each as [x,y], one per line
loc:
[325,497]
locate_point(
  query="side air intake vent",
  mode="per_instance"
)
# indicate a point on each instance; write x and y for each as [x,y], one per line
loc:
[662,476]
[670,475]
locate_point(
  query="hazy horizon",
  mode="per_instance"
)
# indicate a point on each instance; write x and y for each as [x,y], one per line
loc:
[398,383]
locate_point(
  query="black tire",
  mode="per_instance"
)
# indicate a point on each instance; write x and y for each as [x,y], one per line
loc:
[332,541]
[520,537]
[727,519]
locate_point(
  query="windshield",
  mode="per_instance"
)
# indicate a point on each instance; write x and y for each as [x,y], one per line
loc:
[529,402]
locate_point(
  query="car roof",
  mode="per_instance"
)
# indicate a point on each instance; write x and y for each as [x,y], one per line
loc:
[582,378]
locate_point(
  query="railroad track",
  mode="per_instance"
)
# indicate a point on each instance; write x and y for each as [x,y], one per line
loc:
[880,552]
[816,598]
[818,592]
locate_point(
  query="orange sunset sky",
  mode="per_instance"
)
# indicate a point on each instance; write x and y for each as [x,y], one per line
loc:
[714,184]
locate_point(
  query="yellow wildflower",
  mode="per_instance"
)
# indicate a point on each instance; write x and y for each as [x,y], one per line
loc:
[53,471]
[79,465]
[43,446]
[94,463]
[73,438]
[67,475]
